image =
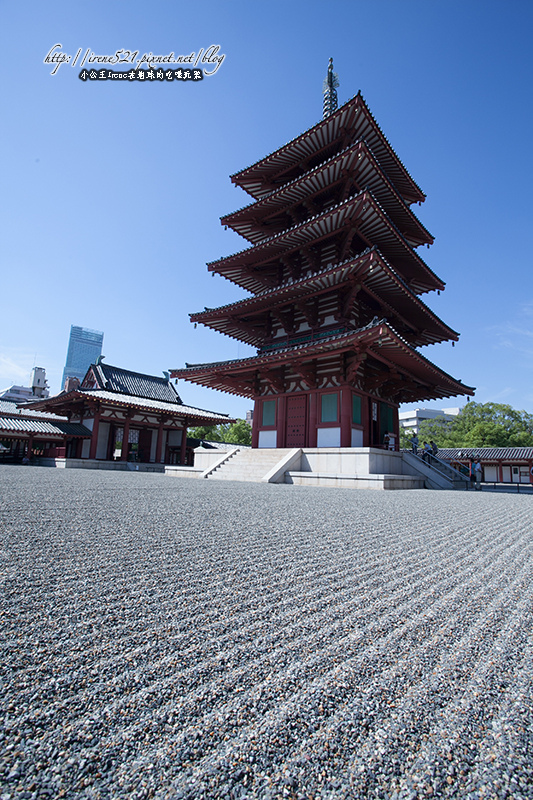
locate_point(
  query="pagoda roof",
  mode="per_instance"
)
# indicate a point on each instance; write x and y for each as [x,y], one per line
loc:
[377,278]
[352,121]
[378,341]
[355,162]
[362,214]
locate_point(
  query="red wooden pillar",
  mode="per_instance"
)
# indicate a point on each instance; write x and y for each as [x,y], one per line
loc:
[183,448]
[530,467]
[281,421]
[159,444]
[125,439]
[79,444]
[313,416]
[346,417]
[94,437]
[256,423]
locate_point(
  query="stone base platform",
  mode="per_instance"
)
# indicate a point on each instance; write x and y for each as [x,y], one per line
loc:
[340,467]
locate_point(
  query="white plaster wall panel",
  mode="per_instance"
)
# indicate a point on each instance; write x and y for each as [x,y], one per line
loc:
[491,473]
[103,434]
[357,437]
[328,437]
[86,448]
[268,438]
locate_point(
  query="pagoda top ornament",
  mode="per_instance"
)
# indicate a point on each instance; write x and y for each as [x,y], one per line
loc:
[329,88]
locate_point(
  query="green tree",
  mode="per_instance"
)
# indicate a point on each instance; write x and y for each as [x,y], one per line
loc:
[405,439]
[435,430]
[481,425]
[237,433]
[210,433]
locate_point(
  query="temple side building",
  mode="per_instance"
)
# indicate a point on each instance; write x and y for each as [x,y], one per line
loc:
[334,282]
[125,416]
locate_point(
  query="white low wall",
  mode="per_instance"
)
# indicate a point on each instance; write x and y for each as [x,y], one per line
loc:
[351,461]
[206,457]
[354,481]
[89,463]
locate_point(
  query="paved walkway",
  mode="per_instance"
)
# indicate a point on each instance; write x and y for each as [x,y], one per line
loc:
[172,638]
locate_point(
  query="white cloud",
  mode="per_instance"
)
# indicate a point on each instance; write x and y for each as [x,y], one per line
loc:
[503,394]
[15,367]
[515,335]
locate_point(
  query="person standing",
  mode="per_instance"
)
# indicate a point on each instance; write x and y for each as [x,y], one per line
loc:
[477,472]
[414,443]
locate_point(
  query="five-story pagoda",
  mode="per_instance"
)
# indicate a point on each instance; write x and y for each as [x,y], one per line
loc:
[335,283]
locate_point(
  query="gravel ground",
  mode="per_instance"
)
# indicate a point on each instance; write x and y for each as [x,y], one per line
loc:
[174,638]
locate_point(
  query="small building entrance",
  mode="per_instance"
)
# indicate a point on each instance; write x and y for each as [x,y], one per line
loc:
[145,445]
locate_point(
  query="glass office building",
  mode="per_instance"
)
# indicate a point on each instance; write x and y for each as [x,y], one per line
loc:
[84,347]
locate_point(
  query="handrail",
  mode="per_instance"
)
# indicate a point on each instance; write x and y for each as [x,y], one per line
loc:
[434,469]
[449,466]
[443,474]
[421,455]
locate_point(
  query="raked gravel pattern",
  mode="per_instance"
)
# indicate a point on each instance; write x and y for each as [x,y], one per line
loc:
[172,638]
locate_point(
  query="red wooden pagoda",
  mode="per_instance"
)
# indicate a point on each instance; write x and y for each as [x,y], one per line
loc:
[335,282]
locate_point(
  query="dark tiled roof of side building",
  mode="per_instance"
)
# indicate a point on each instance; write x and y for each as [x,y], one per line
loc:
[487,453]
[11,408]
[115,379]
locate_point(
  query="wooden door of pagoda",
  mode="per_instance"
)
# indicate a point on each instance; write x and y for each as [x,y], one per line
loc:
[296,418]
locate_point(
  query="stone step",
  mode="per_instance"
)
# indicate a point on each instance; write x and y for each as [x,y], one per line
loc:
[248,465]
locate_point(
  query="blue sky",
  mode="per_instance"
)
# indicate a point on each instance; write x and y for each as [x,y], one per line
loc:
[112,193]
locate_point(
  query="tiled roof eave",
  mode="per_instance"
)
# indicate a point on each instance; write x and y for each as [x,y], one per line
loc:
[488,453]
[175,409]
[325,345]
[42,427]
[296,288]
[142,404]
[239,177]
[230,219]
[233,260]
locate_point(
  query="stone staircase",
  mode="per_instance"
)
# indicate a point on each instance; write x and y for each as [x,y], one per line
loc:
[438,474]
[248,465]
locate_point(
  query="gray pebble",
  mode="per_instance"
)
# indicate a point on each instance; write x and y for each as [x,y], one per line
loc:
[169,638]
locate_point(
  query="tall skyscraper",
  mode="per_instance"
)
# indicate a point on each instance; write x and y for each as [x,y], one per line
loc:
[84,347]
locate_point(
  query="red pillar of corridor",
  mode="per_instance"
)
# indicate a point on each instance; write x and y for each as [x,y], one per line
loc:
[94,437]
